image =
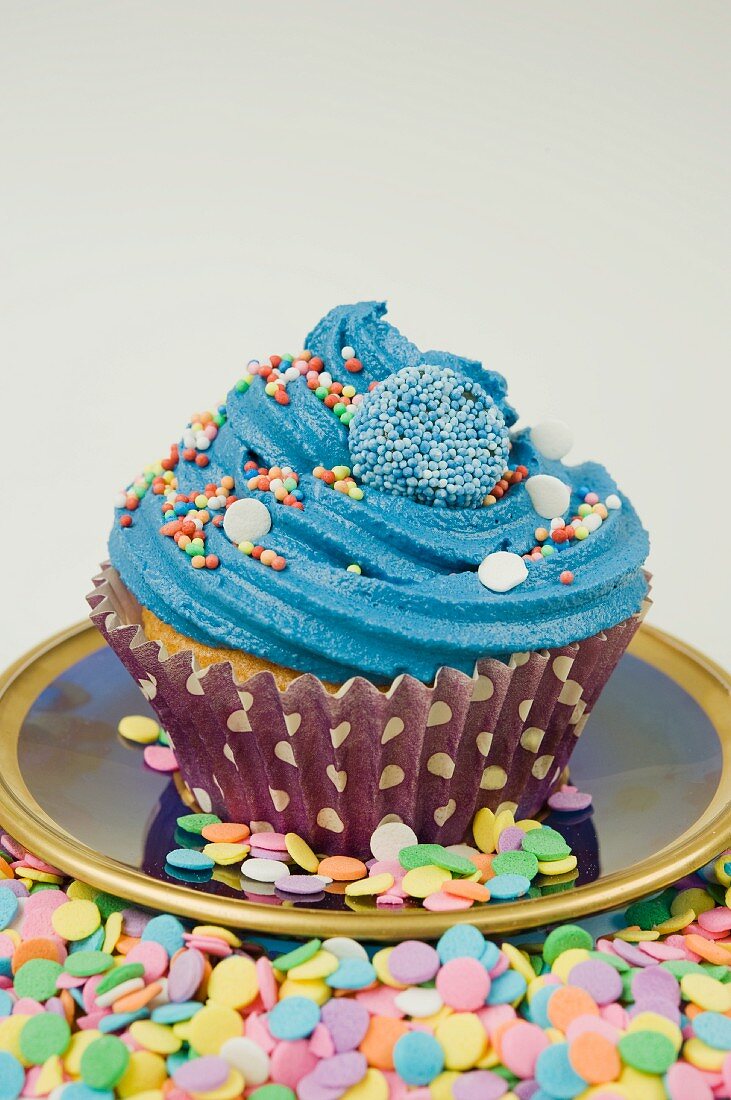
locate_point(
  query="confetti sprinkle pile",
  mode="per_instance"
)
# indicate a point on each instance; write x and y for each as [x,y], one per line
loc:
[100,1000]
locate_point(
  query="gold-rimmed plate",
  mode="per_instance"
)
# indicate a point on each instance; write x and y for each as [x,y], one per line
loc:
[656,757]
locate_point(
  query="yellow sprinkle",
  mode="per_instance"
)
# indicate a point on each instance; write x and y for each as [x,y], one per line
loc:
[432,1021]
[463,1039]
[702,1056]
[528,824]
[145,1071]
[32,874]
[226,854]
[231,879]
[231,1089]
[314,989]
[567,960]
[557,866]
[696,899]
[505,819]
[10,1029]
[301,853]
[489,1060]
[233,983]
[12,935]
[380,965]
[215,932]
[706,992]
[518,961]
[51,1076]
[212,1027]
[719,868]
[676,923]
[483,830]
[653,1021]
[80,1040]
[139,728]
[112,932]
[154,1037]
[441,1086]
[376,884]
[636,935]
[79,891]
[321,965]
[374,1086]
[423,881]
[75,920]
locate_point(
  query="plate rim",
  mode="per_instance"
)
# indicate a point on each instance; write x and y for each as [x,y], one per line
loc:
[697,674]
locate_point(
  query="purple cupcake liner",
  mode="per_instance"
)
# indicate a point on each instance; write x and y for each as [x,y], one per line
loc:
[332,767]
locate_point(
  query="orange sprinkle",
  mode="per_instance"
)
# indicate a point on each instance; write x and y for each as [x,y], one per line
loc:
[595,1058]
[381,1037]
[38,948]
[463,888]
[708,950]
[342,868]
[483,863]
[497,1034]
[5,869]
[226,832]
[125,944]
[567,1004]
[131,1002]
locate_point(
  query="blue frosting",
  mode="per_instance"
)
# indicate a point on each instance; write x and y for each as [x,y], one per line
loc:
[418,604]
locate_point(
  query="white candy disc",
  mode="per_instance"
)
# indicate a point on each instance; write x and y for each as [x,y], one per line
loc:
[552,438]
[342,947]
[248,1058]
[418,1002]
[502,570]
[264,870]
[388,840]
[247,520]
[613,501]
[549,496]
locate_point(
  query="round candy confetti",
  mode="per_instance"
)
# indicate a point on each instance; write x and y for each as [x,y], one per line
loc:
[418,1058]
[139,728]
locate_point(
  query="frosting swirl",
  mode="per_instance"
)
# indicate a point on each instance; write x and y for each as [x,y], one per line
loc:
[418,603]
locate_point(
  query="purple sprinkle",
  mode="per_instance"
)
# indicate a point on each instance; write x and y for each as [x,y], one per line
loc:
[599,979]
[269,853]
[202,1074]
[655,981]
[186,974]
[135,921]
[663,1006]
[302,884]
[341,1071]
[481,1084]
[16,887]
[511,839]
[412,962]
[632,954]
[524,1090]
[347,1021]
[569,800]
[310,1089]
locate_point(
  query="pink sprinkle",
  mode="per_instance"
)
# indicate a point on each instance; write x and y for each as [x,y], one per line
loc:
[272,842]
[160,758]
[715,920]
[569,799]
[268,989]
[440,902]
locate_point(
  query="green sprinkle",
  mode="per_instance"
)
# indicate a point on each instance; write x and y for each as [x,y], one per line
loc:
[515,863]
[196,823]
[44,1036]
[120,974]
[646,914]
[563,939]
[37,979]
[272,1092]
[82,964]
[451,861]
[298,956]
[104,1062]
[420,855]
[647,1051]
[546,844]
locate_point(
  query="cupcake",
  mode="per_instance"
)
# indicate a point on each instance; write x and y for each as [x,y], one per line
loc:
[355,593]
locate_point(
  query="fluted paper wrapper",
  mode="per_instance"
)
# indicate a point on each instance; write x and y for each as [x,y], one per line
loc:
[332,767]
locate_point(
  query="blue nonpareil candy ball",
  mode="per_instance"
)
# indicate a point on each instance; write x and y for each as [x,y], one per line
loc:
[429,434]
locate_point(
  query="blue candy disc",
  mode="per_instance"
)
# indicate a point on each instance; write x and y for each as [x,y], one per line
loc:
[507,987]
[507,887]
[189,859]
[352,974]
[8,906]
[418,1058]
[461,941]
[165,930]
[293,1018]
[556,1075]
[714,1029]
[12,1076]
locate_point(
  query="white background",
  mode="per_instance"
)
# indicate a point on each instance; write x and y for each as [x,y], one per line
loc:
[186,185]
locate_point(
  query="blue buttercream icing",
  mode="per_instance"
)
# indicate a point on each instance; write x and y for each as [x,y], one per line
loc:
[418,603]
